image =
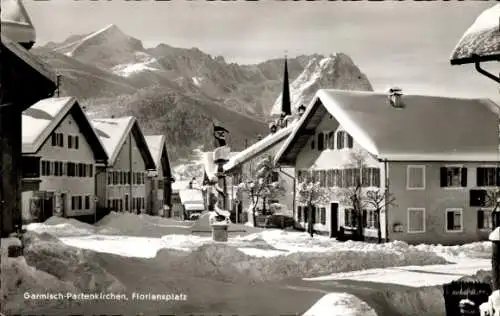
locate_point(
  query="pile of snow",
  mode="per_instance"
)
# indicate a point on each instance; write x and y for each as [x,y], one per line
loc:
[131,224]
[336,304]
[19,278]
[79,267]
[473,250]
[61,227]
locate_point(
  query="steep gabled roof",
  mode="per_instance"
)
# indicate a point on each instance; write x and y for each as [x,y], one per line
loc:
[157,147]
[30,59]
[259,147]
[428,128]
[114,131]
[42,118]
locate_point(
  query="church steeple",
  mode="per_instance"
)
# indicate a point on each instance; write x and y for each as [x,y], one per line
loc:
[286,106]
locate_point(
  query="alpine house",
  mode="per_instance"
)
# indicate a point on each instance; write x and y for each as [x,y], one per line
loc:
[437,156]
[121,185]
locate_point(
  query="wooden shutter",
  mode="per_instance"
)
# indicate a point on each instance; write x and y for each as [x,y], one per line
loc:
[444,177]
[464,177]
[480,219]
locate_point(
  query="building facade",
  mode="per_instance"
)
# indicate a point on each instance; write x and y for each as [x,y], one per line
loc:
[159,182]
[60,152]
[121,185]
[436,156]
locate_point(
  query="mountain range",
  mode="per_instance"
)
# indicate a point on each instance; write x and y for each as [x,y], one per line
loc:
[180,92]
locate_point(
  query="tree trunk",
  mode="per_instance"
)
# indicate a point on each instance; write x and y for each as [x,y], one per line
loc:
[254,217]
[310,220]
[359,221]
[379,228]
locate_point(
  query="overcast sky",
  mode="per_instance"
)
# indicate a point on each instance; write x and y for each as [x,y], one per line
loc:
[394,43]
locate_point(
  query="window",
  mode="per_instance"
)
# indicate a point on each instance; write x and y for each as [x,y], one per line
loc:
[416,220]
[415,177]
[79,200]
[370,177]
[349,218]
[322,178]
[300,176]
[350,141]
[321,141]
[370,219]
[110,177]
[87,202]
[60,140]
[305,209]
[91,170]
[322,215]
[299,214]
[453,177]
[54,139]
[76,139]
[329,178]
[275,176]
[478,198]
[331,140]
[484,219]
[126,202]
[340,139]
[348,177]
[454,220]
[487,176]
[76,202]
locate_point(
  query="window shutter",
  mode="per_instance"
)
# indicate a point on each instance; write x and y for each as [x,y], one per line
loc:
[450,217]
[444,177]
[480,219]
[350,141]
[479,177]
[464,177]
[321,139]
[365,218]
[497,182]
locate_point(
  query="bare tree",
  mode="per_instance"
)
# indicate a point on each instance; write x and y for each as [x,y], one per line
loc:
[379,200]
[492,199]
[360,198]
[260,186]
[311,194]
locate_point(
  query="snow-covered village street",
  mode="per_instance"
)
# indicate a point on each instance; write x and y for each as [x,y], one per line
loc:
[305,158]
[269,266]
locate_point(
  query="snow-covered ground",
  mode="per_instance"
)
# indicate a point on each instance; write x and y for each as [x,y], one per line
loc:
[275,255]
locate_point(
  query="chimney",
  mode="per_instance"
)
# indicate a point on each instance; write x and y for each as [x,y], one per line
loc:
[395,96]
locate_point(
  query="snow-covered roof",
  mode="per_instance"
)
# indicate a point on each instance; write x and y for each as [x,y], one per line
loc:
[40,119]
[428,128]
[481,39]
[16,23]
[114,131]
[191,196]
[30,59]
[156,144]
[259,147]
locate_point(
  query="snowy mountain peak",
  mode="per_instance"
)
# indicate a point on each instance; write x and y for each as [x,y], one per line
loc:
[336,71]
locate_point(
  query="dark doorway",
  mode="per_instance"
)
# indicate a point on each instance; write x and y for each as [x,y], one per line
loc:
[47,208]
[334,218]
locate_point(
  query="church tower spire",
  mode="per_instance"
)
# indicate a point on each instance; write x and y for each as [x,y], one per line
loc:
[286,106]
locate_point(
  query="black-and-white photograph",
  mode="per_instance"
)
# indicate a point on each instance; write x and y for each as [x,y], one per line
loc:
[312,158]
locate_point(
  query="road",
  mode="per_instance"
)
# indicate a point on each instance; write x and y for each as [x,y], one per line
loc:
[291,297]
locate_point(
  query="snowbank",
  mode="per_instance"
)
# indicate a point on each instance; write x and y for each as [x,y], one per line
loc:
[340,304]
[228,263]
[18,278]
[74,265]
[60,227]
